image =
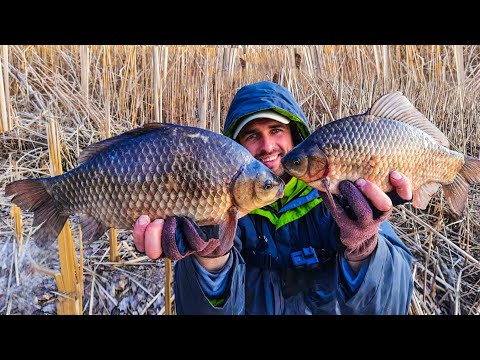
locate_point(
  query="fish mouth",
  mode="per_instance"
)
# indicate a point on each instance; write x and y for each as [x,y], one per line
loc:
[279,194]
[305,174]
[280,190]
[312,167]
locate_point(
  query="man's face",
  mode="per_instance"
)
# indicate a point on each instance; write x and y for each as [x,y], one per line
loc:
[268,141]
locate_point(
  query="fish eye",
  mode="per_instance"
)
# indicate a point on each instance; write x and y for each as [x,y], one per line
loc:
[268,184]
[296,162]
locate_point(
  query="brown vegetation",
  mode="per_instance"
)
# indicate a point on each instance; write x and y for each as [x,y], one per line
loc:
[91,92]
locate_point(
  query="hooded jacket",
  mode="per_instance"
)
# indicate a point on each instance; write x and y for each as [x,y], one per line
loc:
[260,276]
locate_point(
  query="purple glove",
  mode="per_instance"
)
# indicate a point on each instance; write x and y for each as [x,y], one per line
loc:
[357,219]
[181,237]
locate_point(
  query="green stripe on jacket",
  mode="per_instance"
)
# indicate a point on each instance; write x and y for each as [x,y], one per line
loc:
[293,188]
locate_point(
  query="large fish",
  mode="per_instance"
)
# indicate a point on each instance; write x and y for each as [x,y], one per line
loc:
[158,169]
[392,135]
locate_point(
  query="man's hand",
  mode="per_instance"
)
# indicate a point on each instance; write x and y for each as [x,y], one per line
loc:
[179,236]
[362,209]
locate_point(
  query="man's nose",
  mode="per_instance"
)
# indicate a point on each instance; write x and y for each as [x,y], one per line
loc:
[268,144]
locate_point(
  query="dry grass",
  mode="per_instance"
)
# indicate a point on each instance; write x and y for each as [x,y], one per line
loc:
[91,91]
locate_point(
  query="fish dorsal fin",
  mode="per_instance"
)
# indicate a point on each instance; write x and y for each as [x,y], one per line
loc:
[396,106]
[91,150]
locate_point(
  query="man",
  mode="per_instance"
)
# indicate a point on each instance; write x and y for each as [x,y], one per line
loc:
[290,257]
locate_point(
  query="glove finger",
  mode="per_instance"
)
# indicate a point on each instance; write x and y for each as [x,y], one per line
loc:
[212,245]
[336,209]
[192,234]
[169,242]
[192,226]
[357,201]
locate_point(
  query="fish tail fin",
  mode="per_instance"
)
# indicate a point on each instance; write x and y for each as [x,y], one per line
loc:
[471,170]
[456,194]
[32,195]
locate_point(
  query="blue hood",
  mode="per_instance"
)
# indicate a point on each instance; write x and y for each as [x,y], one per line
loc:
[264,95]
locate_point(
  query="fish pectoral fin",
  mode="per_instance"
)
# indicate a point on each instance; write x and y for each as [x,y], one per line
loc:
[329,194]
[91,228]
[456,194]
[422,196]
[396,106]
[228,228]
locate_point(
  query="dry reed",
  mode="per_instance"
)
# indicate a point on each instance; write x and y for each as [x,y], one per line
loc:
[5,124]
[97,90]
[70,282]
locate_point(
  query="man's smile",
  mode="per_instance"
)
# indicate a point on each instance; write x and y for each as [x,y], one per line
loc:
[270,159]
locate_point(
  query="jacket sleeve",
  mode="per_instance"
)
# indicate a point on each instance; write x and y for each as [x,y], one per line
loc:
[387,285]
[190,296]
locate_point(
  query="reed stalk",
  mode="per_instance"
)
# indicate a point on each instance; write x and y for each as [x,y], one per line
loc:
[16,214]
[85,70]
[70,280]
[6,88]
[112,232]
[158,93]
[4,120]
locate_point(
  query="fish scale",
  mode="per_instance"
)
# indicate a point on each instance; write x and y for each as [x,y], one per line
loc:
[128,188]
[160,170]
[368,152]
[392,136]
